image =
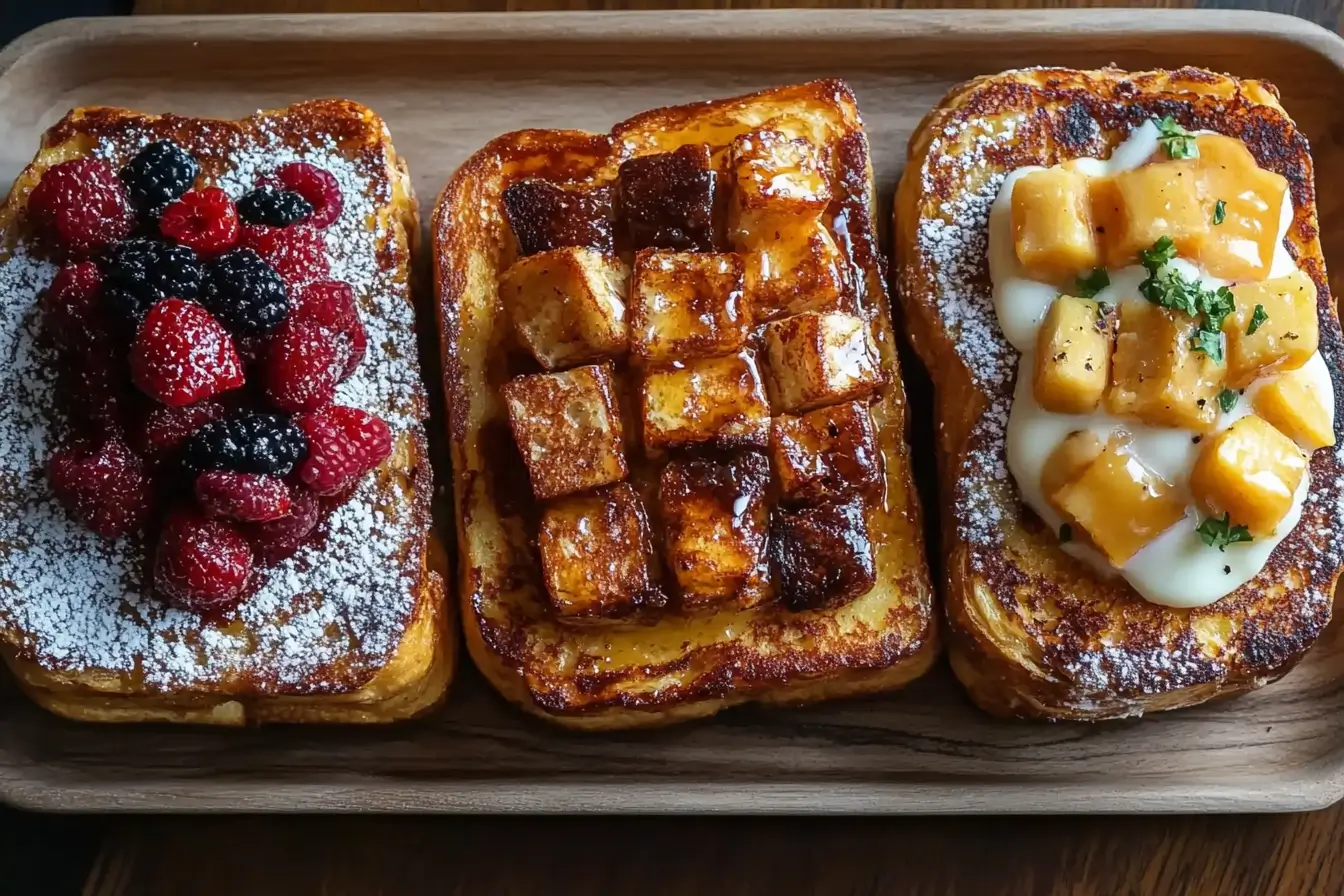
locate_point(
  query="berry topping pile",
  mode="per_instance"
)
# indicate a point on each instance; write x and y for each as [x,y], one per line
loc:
[200,343]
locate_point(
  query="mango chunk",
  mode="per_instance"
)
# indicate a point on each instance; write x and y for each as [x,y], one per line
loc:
[1156,376]
[1286,332]
[1294,406]
[1052,224]
[1241,247]
[1073,357]
[1120,503]
[1249,471]
[1135,208]
[1068,461]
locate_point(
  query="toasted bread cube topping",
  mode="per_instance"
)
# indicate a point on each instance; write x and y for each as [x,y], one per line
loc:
[818,359]
[778,181]
[567,305]
[568,429]
[668,199]
[1296,407]
[686,305]
[1067,462]
[822,555]
[1136,208]
[1156,375]
[1073,357]
[1286,334]
[1251,472]
[1120,503]
[715,522]
[1241,246]
[597,555]
[826,454]
[546,216]
[1052,224]
[798,268]
[720,401]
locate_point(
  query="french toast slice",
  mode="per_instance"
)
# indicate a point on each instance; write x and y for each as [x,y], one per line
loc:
[699,627]
[1034,632]
[352,628]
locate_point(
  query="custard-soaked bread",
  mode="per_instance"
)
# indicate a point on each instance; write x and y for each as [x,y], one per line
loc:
[1098,618]
[728,514]
[352,628]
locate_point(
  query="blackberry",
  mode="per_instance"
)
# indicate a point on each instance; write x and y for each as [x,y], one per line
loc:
[160,173]
[274,207]
[144,271]
[245,292]
[268,444]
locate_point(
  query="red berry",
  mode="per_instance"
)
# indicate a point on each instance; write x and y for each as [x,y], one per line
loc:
[204,220]
[315,184]
[182,355]
[343,444]
[72,307]
[82,206]
[250,497]
[302,367]
[297,252]
[165,428]
[92,388]
[203,564]
[280,538]
[106,490]
[331,303]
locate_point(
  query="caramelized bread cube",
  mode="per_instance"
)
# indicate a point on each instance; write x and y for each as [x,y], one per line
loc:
[1052,224]
[568,429]
[1136,208]
[1073,357]
[1250,471]
[716,521]
[1242,246]
[1156,376]
[597,554]
[546,216]
[686,305]
[720,401]
[1296,407]
[668,200]
[797,268]
[779,182]
[818,359]
[1120,503]
[821,554]
[567,305]
[1286,335]
[1067,462]
[826,454]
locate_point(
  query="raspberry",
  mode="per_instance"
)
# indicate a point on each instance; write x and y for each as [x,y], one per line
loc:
[203,564]
[249,497]
[106,490]
[144,271]
[318,186]
[159,173]
[164,429]
[274,207]
[81,206]
[297,252]
[182,355]
[72,308]
[343,444]
[245,292]
[302,367]
[204,220]
[249,443]
[280,538]
[331,304]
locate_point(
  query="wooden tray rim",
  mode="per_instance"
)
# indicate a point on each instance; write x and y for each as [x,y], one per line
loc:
[1315,786]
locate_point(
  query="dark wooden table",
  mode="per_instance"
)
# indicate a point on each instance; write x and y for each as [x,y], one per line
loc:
[1297,854]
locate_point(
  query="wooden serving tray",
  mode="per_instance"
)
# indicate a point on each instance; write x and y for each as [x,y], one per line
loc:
[446,84]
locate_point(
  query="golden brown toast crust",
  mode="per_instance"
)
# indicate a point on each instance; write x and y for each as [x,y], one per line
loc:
[678,667]
[1033,632]
[340,622]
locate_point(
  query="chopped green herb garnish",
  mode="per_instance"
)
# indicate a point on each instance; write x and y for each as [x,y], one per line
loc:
[1171,290]
[1216,305]
[1210,342]
[1093,283]
[1258,317]
[1227,400]
[1219,212]
[1221,533]
[1178,142]
[1065,534]
[1161,252]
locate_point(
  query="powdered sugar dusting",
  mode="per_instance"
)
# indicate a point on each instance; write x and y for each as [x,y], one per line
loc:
[76,602]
